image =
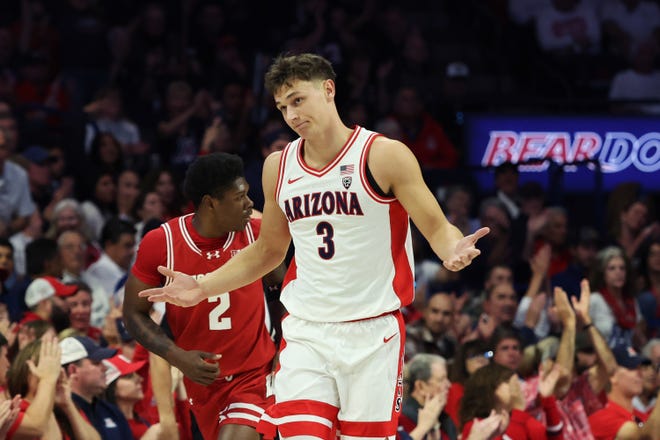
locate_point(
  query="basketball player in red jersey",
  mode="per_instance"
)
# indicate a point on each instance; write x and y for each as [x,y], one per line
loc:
[345,196]
[222,345]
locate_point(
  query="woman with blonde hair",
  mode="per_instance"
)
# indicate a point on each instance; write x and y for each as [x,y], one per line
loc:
[37,376]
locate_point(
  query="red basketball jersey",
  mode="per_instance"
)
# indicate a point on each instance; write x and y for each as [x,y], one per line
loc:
[234,324]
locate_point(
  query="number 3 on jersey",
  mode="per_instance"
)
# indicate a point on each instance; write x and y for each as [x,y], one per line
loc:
[326,230]
[216,322]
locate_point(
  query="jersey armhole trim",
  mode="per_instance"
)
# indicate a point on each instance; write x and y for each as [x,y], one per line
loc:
[280,171]
[371,191]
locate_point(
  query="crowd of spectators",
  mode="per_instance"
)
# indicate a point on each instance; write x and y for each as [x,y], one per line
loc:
[103,105]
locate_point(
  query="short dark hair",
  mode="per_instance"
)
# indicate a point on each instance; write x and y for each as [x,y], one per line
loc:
[4,242]
[37,253]
[211,175]
[503,332]
[306,67]
[114,228]
[506,166]
[457,371]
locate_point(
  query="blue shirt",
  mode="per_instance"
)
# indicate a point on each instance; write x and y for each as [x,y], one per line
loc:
[105,417]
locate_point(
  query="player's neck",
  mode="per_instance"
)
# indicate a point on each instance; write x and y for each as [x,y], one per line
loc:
[324,147]
[205,228]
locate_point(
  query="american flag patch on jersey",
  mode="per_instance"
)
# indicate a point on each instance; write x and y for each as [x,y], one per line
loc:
[346,170]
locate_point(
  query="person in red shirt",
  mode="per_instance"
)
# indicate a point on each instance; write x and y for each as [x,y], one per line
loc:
[619,420]
[495,387]
[222,345]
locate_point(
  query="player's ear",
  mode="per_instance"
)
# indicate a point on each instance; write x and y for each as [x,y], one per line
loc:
[208,201]
[329,88]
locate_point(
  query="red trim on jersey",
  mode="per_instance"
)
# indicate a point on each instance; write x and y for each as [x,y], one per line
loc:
[363,172]
[368,429]
[300,417]
[403,282]
[280,171]
[334,162]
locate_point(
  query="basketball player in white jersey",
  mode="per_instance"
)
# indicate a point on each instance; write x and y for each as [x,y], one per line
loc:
[345,196]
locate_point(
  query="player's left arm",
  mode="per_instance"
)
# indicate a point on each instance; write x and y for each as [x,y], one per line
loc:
[396,169]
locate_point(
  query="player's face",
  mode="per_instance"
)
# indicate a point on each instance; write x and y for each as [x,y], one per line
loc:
[304,105]
[235,207]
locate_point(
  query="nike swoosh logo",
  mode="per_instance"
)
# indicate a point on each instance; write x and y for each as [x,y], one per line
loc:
[386,340]
[290,181]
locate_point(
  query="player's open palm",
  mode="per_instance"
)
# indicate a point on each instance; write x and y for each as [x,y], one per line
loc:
[465,250]
[183,291]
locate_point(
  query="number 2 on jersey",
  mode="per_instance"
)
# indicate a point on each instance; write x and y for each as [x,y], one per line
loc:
[327,231]
[216,322]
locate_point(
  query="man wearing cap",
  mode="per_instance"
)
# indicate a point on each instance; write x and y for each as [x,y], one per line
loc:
[82,360]
[42,294]
[40,179]
[619,419]
[16,203]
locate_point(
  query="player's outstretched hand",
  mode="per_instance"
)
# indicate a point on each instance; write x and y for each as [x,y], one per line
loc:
[183,291]
[199,366]
[465,251]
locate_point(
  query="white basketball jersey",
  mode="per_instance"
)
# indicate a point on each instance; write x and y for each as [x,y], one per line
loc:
[353,252]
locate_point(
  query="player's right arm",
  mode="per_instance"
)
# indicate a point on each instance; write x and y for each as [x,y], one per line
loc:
[252,263]
[139,324]
[136,313]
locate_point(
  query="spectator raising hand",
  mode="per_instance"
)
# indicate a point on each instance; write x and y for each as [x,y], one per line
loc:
[549,380]
[48,365]
[581,304]
[9,410]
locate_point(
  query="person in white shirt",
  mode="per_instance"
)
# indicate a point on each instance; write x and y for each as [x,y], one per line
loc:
[118,241]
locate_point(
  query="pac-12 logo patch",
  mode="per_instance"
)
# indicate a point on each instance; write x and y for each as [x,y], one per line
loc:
[346,181]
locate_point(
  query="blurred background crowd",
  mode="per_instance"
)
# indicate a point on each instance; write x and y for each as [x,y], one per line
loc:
[104,104]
